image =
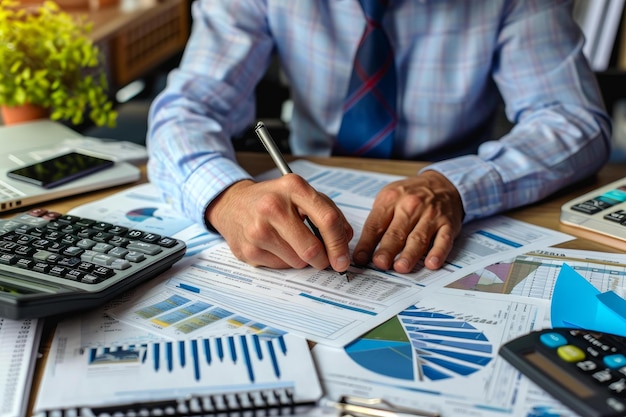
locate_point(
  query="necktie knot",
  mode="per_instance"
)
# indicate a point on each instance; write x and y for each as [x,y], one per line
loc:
[374,9]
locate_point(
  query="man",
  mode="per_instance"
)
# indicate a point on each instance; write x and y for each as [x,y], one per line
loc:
[451,61]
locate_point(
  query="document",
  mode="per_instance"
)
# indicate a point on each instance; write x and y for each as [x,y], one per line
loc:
[440,356]
[319,305]
[534,274]
[19,344]
[232,374]
[438,333]
[322,306]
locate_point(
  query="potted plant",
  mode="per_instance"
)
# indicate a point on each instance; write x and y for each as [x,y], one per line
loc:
[48,60]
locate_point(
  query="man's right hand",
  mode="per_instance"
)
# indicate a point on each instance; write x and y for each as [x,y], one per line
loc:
[263,223]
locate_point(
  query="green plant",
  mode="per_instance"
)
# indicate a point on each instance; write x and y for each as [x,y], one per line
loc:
[48,59]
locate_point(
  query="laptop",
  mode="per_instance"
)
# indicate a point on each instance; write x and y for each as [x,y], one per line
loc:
[26,143]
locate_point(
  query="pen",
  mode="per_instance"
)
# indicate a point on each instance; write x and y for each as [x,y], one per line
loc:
[373,407]
[281,164]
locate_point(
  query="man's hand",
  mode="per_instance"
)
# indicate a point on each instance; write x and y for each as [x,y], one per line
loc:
[408,217]
[263,224]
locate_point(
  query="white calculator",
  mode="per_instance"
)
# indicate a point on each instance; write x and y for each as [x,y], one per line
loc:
[602,211]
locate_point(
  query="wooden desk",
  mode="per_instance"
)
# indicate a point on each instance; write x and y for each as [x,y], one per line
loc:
[545,213]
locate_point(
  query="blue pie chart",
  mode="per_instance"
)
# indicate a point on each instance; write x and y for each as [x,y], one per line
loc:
[419,345]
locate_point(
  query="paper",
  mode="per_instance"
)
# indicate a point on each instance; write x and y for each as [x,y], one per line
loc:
[319,305]
[19,341]
[440,355]
[133,374]
[480,243]
[577,303]
[541,278]
[210,293]
[534,274]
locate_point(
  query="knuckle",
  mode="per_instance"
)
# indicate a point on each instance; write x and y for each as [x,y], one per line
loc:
[412,202]
[268,205]
[446,237]
[294,183]
[388,195]
[396,236]
[330,218]
[257,233]
[249,254]
[311,253]
[419,239]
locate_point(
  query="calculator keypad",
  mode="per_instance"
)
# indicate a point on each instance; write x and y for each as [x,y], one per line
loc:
[601,211]
[604,201]
[74,256]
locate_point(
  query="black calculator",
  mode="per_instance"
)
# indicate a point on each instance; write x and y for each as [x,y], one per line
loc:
[53,263]
[585,370]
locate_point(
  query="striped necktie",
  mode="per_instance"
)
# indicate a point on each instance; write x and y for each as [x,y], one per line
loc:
[369,120]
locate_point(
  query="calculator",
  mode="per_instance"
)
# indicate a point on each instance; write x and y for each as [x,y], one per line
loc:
[585,370]
[53,263]
[602,211]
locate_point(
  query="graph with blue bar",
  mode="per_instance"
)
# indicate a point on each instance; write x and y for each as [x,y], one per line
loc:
[246,356]
[241,374]
[421,344]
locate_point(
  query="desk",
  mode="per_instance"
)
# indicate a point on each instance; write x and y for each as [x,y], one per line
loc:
[544,214]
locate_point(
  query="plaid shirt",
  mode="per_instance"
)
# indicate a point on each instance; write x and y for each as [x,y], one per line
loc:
[455,58]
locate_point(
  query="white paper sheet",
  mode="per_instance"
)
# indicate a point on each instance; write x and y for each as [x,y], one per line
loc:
[19,343]
[440,355]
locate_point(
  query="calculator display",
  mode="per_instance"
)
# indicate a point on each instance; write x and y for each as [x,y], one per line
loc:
[17,287]
[560,376]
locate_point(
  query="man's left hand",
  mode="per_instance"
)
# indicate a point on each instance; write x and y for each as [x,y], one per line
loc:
[410,218]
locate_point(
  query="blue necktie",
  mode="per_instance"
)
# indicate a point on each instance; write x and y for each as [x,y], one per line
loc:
[369,119]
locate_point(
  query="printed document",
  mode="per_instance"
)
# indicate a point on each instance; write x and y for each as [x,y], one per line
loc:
[19,343]
[440,356]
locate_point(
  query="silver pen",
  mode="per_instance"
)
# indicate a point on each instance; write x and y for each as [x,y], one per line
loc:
[269,144]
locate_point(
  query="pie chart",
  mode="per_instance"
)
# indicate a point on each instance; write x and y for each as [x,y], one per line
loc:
[141,214]
[420,344]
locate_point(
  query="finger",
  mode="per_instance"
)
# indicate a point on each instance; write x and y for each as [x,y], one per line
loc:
[269,260]
[417,244]
[442,246]
[255,255]
[336,242]
[307,244]
[375,226]
[264,244]
[409,233]
[333,231]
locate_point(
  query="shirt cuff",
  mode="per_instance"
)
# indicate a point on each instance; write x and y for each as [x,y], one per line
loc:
[478,184]
[206,183]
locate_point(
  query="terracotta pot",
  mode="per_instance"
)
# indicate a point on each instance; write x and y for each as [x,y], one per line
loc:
[21,114]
